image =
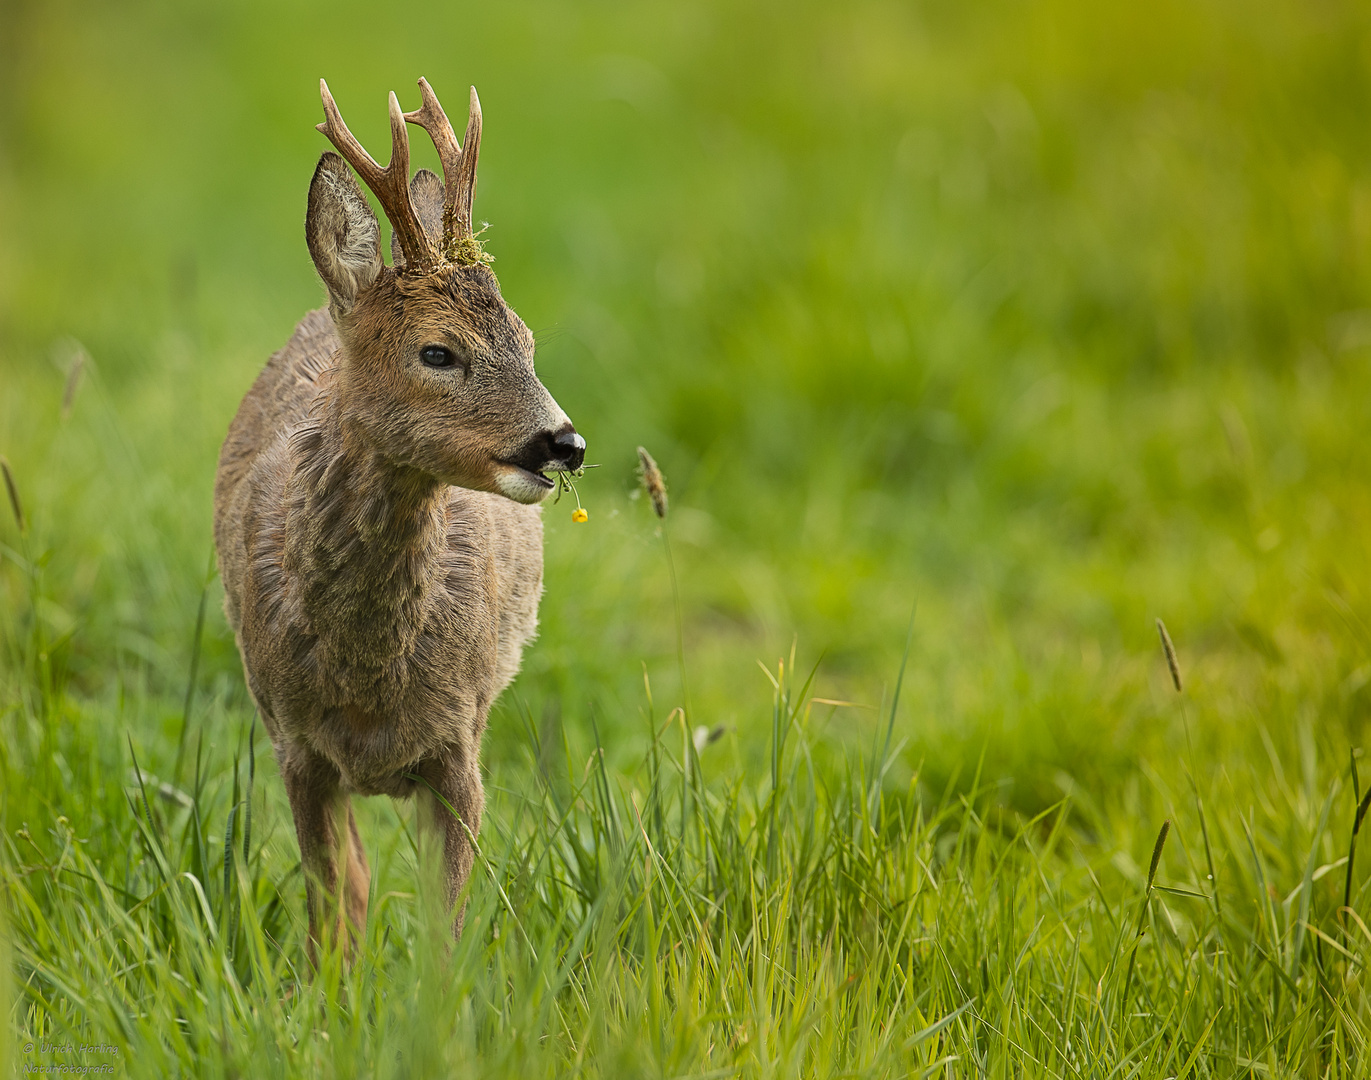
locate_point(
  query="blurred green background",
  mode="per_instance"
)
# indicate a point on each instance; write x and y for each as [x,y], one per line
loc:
[1051,317]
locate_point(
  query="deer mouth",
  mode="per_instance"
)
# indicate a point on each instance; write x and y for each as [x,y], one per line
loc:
[521,484]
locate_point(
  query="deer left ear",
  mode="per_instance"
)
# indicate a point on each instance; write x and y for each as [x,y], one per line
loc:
[343,236]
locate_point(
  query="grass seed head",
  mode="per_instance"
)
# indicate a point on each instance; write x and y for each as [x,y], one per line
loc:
[1170,651]
[10,487]
[652,480]
[75,369]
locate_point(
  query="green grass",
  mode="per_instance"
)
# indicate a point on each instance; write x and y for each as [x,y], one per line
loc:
[1044,319]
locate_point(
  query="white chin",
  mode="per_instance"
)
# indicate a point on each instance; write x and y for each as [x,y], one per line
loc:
[522,486]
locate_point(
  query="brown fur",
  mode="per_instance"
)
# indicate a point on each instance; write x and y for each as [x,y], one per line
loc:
[380,591]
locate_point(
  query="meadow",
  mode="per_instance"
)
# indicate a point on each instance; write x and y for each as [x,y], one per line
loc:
[973,340]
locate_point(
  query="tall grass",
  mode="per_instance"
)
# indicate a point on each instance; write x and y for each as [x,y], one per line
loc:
[826,916]
[1052,315]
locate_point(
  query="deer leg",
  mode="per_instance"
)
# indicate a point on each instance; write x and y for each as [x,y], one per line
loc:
[450,806]
[359,877]
[327,836]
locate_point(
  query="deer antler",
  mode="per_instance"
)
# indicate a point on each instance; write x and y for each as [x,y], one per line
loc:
[390,184]
[459,164]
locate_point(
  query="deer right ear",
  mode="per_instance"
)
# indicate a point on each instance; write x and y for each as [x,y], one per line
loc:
[426,196]
[343,236]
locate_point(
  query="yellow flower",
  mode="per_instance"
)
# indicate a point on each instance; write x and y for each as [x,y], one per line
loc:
[578,515]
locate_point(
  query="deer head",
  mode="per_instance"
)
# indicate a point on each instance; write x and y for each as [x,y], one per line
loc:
[436,373]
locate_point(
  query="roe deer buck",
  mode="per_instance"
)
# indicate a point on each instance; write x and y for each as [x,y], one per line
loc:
[375,513]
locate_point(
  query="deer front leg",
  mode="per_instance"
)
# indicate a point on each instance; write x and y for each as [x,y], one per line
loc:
[450,804]
[331,855]
[359,876]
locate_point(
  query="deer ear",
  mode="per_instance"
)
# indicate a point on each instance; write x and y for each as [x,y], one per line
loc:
[344,239]
[426,196]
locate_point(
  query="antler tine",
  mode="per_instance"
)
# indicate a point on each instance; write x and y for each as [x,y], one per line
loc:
[391,184]
[459,162]
[342,138]
[431,118]
[471,150]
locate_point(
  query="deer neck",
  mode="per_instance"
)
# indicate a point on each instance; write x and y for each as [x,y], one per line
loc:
[364,539]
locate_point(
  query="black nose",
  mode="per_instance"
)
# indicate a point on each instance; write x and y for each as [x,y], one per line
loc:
[570,449]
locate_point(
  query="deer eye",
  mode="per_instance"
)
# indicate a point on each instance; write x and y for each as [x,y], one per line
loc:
[437,356]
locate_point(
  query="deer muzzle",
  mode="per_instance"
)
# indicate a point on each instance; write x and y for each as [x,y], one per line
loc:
[521,477]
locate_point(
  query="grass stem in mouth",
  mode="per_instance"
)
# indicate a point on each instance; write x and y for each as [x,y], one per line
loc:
[566,481]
